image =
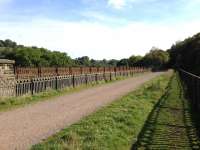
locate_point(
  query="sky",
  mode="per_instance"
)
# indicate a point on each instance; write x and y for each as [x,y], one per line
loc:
[110,29]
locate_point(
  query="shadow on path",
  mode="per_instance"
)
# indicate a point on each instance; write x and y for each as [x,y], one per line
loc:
[169,125]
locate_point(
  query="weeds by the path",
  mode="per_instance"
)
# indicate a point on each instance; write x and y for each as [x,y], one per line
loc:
[112,127]
[169,126]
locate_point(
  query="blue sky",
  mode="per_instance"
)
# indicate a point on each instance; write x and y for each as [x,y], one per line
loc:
[99,28]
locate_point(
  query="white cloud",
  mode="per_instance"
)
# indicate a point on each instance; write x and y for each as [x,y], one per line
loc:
[96,16]
[96,40]
[118,4]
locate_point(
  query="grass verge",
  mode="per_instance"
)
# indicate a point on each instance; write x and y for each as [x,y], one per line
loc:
[15,102]
[170,124]
[114,127]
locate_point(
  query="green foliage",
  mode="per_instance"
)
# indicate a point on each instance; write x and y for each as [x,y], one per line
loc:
[83,61]
[123,62]
[7,43]
[40,57]
[186,54]
[134,61]
[33,56]
[156,59]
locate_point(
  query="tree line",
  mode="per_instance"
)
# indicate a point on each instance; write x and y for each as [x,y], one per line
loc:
[186,54]
[41,57]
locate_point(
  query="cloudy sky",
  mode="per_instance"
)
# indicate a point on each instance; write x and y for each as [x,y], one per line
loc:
[99,28]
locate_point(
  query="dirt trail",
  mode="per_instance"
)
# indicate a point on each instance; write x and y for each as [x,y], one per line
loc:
[23,127]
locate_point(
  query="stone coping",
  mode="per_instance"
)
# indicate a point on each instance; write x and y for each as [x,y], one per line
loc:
[6,61]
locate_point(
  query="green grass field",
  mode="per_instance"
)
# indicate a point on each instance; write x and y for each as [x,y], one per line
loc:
[114,127]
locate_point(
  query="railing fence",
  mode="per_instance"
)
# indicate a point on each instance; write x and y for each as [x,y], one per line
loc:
[41,84]
[192,83]
[27,72]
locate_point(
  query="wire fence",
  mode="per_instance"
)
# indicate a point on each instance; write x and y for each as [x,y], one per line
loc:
[192,83]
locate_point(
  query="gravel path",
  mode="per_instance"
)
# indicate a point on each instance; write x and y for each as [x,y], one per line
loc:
[23,127]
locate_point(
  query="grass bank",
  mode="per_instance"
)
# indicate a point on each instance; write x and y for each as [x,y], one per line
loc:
[114,127]
[170,124]
[15,102]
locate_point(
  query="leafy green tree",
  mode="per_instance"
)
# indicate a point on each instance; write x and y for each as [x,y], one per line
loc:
[123,62]
[41,57]
[113,62]
[156,59]
[134,61]
[83,61]
[186,54]
[22,58]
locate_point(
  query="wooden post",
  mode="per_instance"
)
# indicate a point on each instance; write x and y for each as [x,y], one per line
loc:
[56,69]
[115,70]
[96,79]
[70,70]
[90,70]
[81,70]
[86,79]
[56,82]
[32,87]
[73,80]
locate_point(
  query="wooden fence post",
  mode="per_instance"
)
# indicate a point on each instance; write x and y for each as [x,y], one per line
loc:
[56,69]
[81,70]
[96,79]
[90,70]
[70,70]
[73,80]
[115,70]
[32,87]
[56,78]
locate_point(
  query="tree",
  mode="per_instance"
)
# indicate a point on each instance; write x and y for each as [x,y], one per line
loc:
[156,59]
[134,61]
[113,62]
[186,54]
[123,62]
[83,61]
[9,43]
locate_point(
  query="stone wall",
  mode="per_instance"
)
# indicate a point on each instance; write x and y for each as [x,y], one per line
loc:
[7,78]
[7,87]
[6,70]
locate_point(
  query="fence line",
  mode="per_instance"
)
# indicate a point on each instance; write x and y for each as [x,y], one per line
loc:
[26,73]
[192,83]
[41,84]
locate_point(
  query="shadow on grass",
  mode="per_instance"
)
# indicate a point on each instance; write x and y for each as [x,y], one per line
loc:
[194,129]
[167,134]
[146,134]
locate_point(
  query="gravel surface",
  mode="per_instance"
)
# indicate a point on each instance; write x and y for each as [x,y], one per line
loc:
[23,127]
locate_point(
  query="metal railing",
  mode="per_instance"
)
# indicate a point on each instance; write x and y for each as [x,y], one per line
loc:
[192,84]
